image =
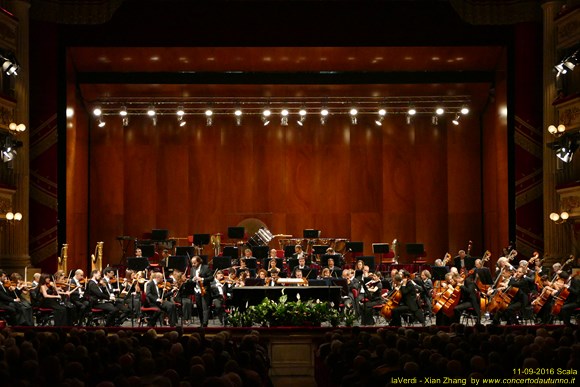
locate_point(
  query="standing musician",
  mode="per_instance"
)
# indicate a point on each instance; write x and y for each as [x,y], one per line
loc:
[408,301]
[427,291]
[77,295]
[18,312]
[154,291]
[219,290]
[201,276]
[99,298]
[572,301]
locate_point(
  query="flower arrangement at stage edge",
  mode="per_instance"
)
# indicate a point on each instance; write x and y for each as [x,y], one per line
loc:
[270,313]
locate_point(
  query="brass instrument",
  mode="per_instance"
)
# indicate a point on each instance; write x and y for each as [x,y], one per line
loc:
[97,257]
[215,241]
[395,246]
[61,263]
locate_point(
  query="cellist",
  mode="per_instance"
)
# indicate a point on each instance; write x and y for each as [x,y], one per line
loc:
[519,300]
[468,297]
[408,301]
[571,302]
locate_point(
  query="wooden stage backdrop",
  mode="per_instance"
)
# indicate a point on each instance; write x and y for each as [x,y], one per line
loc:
[417,183]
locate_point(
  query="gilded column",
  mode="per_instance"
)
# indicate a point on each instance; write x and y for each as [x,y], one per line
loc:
[556,238]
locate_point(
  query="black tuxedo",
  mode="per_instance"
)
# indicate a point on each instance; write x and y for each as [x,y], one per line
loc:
[153,294]
[408,304]
[77,298]
[19,313]
[101,299]
[468,300]
[203,302]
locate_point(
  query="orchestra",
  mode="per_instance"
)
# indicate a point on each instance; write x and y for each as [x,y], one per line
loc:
[445,293]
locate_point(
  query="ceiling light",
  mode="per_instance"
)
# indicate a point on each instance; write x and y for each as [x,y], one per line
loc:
[180,112]
[97,111]
[456,120]
[302,113]
[238,114]
[284,120]
[208,117]
[101,123]
[123,111]
[382,113]
[464,109]
[151,111]
[266,113]
[323,116]
[439,111]
[412,111]
[353,112]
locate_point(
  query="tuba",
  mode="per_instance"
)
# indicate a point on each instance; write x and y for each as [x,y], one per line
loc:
[61,261]
[97,257]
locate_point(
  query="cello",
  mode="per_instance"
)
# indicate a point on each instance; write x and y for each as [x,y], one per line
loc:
[392,301]
[548,292]
[560,298]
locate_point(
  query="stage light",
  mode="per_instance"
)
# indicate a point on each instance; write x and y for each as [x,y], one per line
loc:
[180,112]
[557,131]
[559,218]
[97,111]
[439,111]
[208,117]
[456,120]
[266,113]
[323,116]
[284,119]
[238,115]
[353,113]
[464,109]
[101,123]
[9,215]
[18,216]
[382,113]
[123,111]
[10,65]
[302,113]
[151,111]
[412,111]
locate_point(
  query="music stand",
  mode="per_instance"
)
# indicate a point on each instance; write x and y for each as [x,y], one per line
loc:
[415,249]
[289,250]
[319,249]
[324,260]
[236,232]
[484,276]
[355,247]
[220,263]
[318,282]
[230,251]
[369,261]
[201,239]
[254,282]
[310,233]
[177,262]
[439,272]
[137,263]
[292,263]
[310,274]
[185,251]
[260,252]
[381,249]
[251,263]
[147,251]
[159,234]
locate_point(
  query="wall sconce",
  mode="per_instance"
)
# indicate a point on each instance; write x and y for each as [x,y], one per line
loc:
[559,218]
[557,131]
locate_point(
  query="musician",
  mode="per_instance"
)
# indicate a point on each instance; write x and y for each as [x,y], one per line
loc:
[18,312]
[299,275]
[372,296]
[503,262]
[334,270]
[446,285]
[181,295]
[518,301]
[138,253]
[201,276]
[427,290]
[112,287]
[273,277]
[52,299]
[538,268]
[468,298]
[298,252]
[301,265]
[408,301]
[438,262]
[99,298]
[391,279]
[219,293]
[272,265]
[164,257]
[459,261]
[547,294]
[77,295]
[244,267]
[572,300]
[556,268]
[274,253]
[350,300]
[482,272]
[156,299]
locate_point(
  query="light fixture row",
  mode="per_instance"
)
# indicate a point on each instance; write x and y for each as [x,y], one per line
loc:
[268,111]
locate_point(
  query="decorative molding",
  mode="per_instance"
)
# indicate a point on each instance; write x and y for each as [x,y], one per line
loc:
[570,200]
[74,11]
[6,195]
[497,12]
[8,32]
[7,112]
[568,30]
[569,113]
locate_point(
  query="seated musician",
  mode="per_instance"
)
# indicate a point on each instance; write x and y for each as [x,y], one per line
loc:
[572,300]
[372,296]
[77,295]
[244,267]
[503,262]
[298,252]
[518,301]
[138,253]
[156,299]
[325,274]
[482,273]
[53,299]
[272,265]
[391,279]
[438,262]
[182,295]
[164,257]
[113,287]
[131,292]
[273,254]
[353,297]
[299,275]
[408,301]
[546,296]
[468,298]
[101,299]
[459,261]
[537,267]
[219,293]
[334,270]
[273,277]
[18,312]
[241,281]
[302,264]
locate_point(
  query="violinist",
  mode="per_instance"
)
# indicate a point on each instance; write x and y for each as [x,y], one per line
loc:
[18,312]
[131,292]
[353,297]
[101,299]
[182,295]
[300,276]
[154,291]
[272,280]
[77,295]
[427,290]
[408,301]
[219,290]
[112,287]
[373,288]
[298,252]
[262,275]
[52,299]
[201,277]
[21,289]
[244,267]
[571,302]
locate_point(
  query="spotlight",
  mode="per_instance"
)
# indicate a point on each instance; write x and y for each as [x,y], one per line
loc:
[284,120]
[123,111]
[101,123]
[382,114]
[439,111]
[412,111]
[567,149]
[151,111]
[266,113]
[456,120]
[125,121]
[464,109]
[208,117]
[97,111]
[323,116]
[302,114]
[9,64]
[353,113]
[180,112]
[238,114]
[434,120]
[408,119]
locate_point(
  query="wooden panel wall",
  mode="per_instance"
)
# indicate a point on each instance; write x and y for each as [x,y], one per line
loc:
[417,183]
